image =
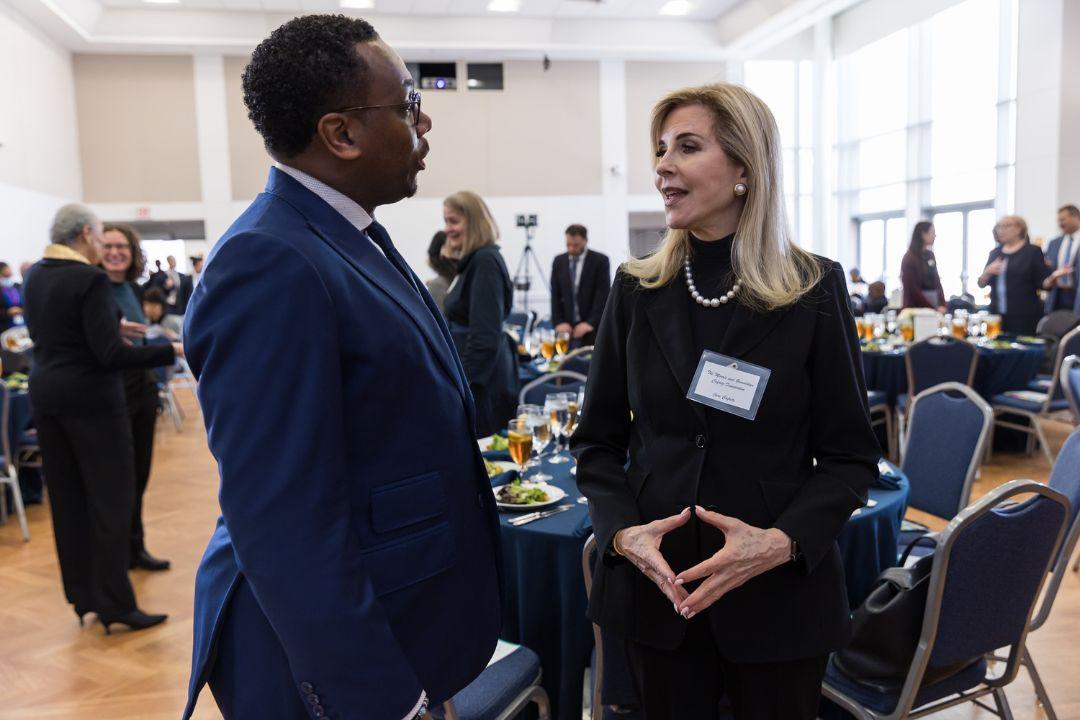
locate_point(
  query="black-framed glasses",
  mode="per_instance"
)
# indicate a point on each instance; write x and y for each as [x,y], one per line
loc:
[412,104]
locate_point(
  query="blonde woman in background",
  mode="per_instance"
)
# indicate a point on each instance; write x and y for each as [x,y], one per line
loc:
[745,597]
[476,305]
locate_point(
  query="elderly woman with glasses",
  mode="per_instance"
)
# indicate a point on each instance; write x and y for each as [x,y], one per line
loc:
[1015,271]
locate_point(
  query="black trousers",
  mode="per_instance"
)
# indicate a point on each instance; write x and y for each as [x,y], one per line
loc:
[691,681]
[88,466]
[142,414]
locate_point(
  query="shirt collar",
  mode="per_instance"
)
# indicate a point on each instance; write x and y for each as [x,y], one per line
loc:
[56,251]
[357,216]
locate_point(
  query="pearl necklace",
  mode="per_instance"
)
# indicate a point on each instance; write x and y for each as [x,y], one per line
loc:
[701,299]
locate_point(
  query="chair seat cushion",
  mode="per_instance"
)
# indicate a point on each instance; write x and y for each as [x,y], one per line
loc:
[496,687]
[28,438]
[876,397]
[1028,404]
[885,701]
[1041,383]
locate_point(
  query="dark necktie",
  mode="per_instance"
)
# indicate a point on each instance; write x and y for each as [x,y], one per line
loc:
[1066,280]
[379,236]
[574,260]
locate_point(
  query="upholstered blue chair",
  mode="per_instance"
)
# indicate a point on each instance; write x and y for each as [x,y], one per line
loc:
[9,472]
[577,360]
[990,564]
[931,362]
[880,414]
[536,390]
[505,688]
[1032,405]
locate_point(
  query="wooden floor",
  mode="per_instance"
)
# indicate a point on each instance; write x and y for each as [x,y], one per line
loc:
[52,668]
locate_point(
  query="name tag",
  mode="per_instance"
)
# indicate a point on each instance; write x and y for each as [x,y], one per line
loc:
[728,384]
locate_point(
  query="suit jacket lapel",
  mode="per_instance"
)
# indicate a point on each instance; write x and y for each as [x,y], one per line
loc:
[366,259]
[669,318]
[748,328]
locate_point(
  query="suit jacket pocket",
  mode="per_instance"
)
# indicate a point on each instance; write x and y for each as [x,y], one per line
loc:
[407,502]
[778,495]
[411,559]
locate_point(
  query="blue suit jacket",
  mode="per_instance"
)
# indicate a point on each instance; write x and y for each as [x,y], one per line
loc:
[1051,254]
[353,496]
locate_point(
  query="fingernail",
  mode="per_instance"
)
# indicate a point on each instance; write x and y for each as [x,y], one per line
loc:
[678,581]
[676,606]
[686,613]
[691,615]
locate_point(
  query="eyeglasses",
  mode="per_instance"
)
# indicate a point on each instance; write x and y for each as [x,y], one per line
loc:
[116,247]
[412,104]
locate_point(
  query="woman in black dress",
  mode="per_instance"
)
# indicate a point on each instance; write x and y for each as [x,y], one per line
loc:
[77,389]
[1014,272]
[477,304]
[717,540]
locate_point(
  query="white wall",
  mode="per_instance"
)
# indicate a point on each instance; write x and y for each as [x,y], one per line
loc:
[39,156]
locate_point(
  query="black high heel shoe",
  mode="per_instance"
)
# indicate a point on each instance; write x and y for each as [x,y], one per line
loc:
[82,615]
[135,620]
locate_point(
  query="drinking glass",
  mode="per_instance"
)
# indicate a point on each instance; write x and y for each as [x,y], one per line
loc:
[547,344]
[907,330]
[541,435]
[960,325]
[993,326]
[571,399]
[519,436]
[562,344]
[556,410]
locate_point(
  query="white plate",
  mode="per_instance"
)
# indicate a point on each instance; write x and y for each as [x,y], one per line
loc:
[554,495]
[505,465]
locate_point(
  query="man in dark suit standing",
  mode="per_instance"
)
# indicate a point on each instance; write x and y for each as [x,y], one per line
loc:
[580,281]
[354,572]
[1060,257]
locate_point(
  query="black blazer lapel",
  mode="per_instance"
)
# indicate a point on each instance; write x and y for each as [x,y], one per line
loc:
[748,328]
[669,318]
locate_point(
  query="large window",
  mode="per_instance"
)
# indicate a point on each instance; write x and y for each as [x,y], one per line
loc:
[926,130]
[786,86]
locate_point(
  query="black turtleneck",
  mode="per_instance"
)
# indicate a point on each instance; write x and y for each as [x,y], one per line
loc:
[710,263]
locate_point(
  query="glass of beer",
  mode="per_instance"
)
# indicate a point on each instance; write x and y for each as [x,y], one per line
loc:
[993,326]
[555,407]
[547,344]
[519,437]
[562,343]
[571,413]
[860,327]
[907,329]
[959,325]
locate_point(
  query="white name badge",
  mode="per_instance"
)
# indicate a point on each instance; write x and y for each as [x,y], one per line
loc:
[728,384]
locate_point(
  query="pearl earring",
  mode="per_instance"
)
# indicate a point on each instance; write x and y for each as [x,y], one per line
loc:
[740,189]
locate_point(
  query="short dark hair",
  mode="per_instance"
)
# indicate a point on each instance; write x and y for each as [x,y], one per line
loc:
[578,230]
[443,266]
[1071,209]
[138,260]
[916,244]
[306,68]
[155,296]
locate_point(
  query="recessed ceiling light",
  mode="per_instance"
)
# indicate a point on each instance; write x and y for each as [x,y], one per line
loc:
[677,7]
[505,6]
[357,4]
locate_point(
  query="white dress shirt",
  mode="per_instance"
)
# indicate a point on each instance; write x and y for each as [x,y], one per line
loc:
[359,218]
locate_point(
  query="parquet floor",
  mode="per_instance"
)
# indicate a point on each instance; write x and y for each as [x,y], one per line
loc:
[52,669]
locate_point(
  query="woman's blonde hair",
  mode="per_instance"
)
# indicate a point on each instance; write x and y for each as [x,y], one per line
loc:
[1019,221]
[771,269]
[480,227]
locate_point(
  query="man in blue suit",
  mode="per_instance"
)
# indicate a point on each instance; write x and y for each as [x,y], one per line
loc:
[354,572]
[1060,257]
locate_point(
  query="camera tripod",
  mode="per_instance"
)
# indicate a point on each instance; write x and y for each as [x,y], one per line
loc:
[522,279]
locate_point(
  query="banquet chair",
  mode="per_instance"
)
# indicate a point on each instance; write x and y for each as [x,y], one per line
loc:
[1065,478]
[1034,406]
[988,569]
[880,414]
[522,319]
[931,362]
[1063,347]
[9,472]
[536,390]
[505,688]
[950,425]
[577,360]
[588,559]
[1070,380]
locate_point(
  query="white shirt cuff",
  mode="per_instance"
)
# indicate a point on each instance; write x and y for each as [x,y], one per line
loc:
[416,707]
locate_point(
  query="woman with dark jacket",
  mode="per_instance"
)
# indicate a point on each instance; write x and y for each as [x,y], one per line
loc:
[728,370]
[477,304]
[445,270]
[919,272]
[78,395]
[1015,271]
[123,261]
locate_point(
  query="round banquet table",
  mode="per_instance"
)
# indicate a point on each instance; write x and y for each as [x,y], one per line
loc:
[544,602]
[998,370]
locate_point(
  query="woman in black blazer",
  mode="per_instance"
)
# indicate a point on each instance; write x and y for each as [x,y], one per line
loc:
[477,304]
[745,596]
[1015,271]
[81,418]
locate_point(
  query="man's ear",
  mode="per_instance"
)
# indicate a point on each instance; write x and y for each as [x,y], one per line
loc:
[341,136]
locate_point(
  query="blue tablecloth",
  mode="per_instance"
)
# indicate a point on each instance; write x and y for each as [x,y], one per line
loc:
[544,603]
[998,370]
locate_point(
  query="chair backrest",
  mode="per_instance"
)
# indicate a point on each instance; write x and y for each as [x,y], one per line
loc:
[588,560]
[948,429]
[536,390]
[939,360]
[1068,346]
[989,566]
[1057,323]
[6,459]
[1065,478]
[577,360]
[1069,379]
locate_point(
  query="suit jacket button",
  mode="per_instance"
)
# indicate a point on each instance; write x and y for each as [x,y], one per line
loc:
[313,699]
[306,688]
[318,711]
[700,441]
